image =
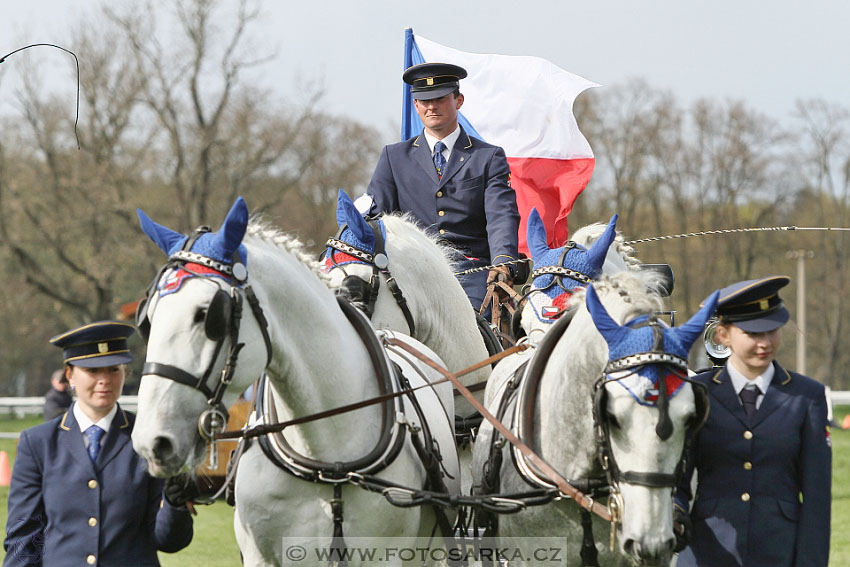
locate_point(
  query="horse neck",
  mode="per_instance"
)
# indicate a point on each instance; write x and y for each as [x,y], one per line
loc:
[319,362]
[445,320]
[564,431]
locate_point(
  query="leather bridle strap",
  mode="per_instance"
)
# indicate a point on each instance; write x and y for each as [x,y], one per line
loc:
[564,487]
[178,375]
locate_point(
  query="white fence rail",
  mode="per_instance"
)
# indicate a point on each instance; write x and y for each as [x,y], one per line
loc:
[21,406]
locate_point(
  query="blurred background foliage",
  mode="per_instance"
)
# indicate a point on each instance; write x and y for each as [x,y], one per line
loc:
[167,125]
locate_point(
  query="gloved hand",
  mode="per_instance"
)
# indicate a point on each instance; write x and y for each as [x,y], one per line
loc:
[681,528]
[501,274]
[181,489]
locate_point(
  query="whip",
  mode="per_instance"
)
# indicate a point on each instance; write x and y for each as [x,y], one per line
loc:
[733,230]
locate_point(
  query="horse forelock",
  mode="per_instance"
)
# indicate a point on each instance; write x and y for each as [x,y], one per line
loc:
[589,234]
[262,232]
[634,290]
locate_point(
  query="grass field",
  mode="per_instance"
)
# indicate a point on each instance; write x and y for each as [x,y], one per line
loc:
[214,544]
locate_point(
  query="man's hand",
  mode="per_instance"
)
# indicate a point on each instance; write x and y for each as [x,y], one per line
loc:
[681,528]
[500,274]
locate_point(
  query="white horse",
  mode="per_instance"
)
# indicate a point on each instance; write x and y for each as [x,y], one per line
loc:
[317,357]
[439,313]
[404,279]
[555,400]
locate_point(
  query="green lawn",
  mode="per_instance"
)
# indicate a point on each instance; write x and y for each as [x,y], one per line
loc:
[214,544]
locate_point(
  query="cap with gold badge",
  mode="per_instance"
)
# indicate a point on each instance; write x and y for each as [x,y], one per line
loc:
[754,305]
[99,344]
[433,80]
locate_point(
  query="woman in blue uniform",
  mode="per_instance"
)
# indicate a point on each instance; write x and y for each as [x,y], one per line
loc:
[763,459]
[79,494]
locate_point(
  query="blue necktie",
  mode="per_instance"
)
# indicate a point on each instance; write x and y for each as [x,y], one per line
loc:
[439,158]
[748,398]
[94,433]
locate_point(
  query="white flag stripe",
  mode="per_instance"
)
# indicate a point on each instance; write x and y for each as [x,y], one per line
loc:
[523,104]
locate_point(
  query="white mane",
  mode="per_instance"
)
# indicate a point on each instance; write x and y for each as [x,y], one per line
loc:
[261,230]
[404,227]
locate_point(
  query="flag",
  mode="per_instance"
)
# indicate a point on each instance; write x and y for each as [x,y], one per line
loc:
[525,105]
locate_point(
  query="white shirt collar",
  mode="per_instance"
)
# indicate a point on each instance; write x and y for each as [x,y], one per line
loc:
[739,381]
[449,141]
[85,421]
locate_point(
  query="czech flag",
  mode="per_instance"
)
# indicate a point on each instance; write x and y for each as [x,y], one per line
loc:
[524,105]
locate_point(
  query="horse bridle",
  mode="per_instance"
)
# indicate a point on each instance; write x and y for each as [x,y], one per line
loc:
[663,429]
[363,294]
[560,272]
[221,323]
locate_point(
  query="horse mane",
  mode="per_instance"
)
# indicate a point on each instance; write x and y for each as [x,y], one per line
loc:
[263,231]
[589,234]
[635,287]
[405,227]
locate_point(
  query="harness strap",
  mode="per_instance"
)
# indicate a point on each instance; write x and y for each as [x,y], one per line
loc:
[338,545]
[178,375]
[565,487]
[650,479]
[589,555]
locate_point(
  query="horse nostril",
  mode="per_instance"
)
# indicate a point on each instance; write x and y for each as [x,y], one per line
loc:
[162,448]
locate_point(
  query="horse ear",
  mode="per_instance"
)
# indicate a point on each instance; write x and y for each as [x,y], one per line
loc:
[342,199]
[599,249]
[535,235]
[232,231]
[168,240]
[611,331]
[347,214]
[689,332]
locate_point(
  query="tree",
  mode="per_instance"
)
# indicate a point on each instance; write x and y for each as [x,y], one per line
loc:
[176,135]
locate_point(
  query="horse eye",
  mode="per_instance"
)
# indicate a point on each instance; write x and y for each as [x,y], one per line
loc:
[612,420]
[200,316]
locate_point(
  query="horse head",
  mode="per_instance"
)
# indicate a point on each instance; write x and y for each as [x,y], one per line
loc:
[560,272]
[644,405]
[357,263]
[196,330]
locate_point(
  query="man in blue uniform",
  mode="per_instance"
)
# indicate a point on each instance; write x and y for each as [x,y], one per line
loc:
[79,494]
[763,459]
[455,185]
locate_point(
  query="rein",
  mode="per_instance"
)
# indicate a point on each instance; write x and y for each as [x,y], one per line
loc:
[259,430]
[584,501]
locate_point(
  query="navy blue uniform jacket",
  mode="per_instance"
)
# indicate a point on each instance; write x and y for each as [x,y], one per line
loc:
[473,206]
[65,510]
[751,475]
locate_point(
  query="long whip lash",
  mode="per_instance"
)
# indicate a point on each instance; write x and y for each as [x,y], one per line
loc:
[77,61]
[733,230]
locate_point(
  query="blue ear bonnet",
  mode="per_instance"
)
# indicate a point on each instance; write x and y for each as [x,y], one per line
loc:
[355,231]
[587,261]
[211,247]
[642,339]
[575,259]
[350,237]
[216,245]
